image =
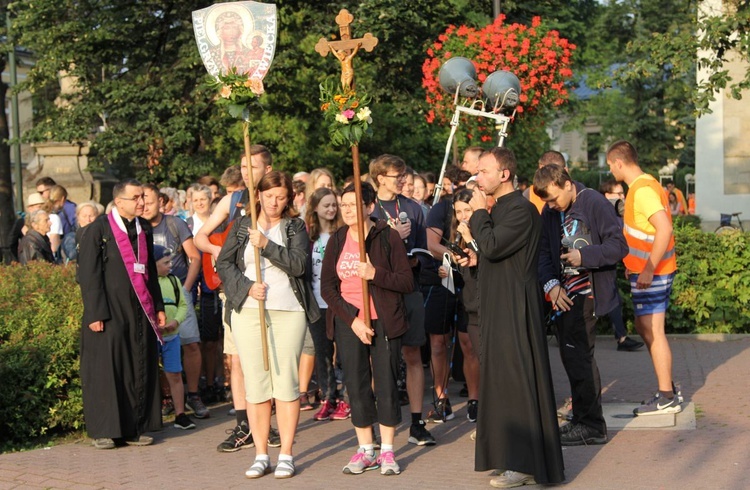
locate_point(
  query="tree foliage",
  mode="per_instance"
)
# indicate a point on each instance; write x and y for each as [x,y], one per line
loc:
[142,99]
[651,108]
[709,40]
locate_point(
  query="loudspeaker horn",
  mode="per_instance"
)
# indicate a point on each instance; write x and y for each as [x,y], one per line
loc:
[501,90]
[459,73]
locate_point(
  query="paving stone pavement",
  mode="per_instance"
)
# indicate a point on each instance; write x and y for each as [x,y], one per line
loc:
[713,376]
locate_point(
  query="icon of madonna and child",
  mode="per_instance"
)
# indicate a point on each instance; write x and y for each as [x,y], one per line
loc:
[239,35]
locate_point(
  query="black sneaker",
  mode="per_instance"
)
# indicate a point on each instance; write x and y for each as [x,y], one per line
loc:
[274,439]
[464,393]
[582,435]
[658,405]
[239,437]
[442,413]
[675,390]
[472,408]
[629,345]
[183,422]
[419,435]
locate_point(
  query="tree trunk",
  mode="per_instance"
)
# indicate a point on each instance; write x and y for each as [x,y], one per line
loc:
[7,214]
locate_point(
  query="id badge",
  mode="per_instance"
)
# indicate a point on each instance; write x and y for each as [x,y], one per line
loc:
[139,268]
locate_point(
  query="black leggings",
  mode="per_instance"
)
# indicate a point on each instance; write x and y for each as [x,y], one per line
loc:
[356,359]
[324,358]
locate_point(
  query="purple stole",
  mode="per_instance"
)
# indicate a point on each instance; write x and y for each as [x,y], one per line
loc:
[137,280]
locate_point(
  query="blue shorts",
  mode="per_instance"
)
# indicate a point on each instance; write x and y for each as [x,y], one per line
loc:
[170,354]
[655,299]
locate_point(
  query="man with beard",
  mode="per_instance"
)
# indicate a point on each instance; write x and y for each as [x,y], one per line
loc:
[517,426]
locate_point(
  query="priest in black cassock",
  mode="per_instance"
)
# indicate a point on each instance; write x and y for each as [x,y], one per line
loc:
[517,430]
[123,314]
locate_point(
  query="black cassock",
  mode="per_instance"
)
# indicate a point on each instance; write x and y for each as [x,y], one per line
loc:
[517,425]
[119,366]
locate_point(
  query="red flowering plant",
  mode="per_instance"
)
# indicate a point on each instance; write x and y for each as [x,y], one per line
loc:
[537,55]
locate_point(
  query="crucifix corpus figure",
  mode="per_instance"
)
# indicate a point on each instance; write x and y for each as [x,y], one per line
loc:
[347,70]
[346,48]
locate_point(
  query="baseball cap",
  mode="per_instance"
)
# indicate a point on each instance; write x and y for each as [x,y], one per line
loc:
[160,252]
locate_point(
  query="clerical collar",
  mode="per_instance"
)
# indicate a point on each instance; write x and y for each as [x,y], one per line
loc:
[119,220]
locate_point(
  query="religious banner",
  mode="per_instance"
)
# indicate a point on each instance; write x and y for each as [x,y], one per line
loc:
[236,36]
[237,41]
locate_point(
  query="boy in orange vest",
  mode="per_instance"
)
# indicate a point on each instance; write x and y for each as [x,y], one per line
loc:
[650,266]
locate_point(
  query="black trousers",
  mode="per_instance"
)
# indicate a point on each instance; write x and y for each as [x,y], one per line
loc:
[576,334]
[324,358]
[364,363]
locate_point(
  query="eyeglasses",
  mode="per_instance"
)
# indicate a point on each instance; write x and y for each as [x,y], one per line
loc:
[139,197]
[347,205]
[397,177]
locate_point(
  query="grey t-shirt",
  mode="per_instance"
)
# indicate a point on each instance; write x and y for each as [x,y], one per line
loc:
[165,237]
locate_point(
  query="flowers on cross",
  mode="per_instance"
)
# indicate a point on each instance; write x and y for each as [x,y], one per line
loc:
[236,91]
[346,112]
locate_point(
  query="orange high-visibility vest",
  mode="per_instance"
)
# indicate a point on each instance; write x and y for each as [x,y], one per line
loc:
[536,200]
[640,242]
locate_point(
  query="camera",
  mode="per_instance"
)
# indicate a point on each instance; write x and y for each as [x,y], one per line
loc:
[573,242]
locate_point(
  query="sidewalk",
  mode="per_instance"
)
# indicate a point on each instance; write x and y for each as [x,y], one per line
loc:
[713,376]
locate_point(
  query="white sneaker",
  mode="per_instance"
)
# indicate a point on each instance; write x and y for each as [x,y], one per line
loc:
[510,479]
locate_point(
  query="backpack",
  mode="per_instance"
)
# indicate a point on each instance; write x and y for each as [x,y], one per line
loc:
[172,227]
[173,279]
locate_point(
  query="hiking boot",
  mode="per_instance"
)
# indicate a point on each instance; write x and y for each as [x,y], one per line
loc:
[343,411]
[419,435]
[582,435]
[629,345]
[442,413]
[183,422]
[472,408]
[239,437]
[658,405]
[274,439]
[360,463]
[388,465]
[104,443]
[167,406]
[326,409]
[511,479]
[195,404]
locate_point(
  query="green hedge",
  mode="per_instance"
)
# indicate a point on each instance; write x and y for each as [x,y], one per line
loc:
[40,390]
[711,290]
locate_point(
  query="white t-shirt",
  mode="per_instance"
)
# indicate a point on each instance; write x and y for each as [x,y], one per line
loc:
[197,224]
[57,228]
[318,252]
[279,295]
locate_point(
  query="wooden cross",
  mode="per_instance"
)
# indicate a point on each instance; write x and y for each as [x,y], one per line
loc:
[346,48]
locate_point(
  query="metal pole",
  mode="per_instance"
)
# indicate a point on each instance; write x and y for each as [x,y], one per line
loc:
[14,114]
[495,8]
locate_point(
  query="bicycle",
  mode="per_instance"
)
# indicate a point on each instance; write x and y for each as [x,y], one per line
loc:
[726,224]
